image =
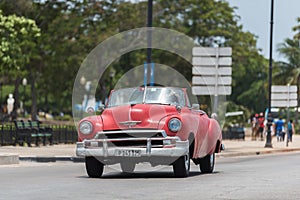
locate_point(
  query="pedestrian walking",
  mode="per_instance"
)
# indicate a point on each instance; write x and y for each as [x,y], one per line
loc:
[255,126]
[291,130]
[279,128]
[261,123]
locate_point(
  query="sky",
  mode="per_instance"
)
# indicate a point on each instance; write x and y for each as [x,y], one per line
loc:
[255,18]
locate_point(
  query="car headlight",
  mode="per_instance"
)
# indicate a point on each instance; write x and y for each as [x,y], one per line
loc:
[174,125]
[86,127]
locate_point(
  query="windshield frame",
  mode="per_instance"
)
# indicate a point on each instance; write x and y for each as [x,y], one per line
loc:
[147,95]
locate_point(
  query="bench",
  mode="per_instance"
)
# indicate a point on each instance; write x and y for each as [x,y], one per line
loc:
[43,133]
[27,131]
[23,134]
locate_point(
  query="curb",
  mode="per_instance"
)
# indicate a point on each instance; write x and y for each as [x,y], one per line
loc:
[9,159]
[51,159]
[253,153]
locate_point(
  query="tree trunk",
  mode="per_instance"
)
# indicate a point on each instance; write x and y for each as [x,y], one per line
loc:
[33,96]
[16,96]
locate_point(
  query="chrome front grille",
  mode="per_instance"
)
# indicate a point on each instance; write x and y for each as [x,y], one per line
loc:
[132,138]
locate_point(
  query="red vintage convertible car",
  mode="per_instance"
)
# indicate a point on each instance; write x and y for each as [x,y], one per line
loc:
[149,124]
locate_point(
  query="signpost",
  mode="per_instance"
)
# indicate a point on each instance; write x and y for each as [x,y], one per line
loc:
[212,72]
[269,117]
[284,96]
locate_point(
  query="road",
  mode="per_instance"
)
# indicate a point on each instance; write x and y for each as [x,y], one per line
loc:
[257,177]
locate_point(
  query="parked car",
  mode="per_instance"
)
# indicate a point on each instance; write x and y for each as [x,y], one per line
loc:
[149,124]
[234,125]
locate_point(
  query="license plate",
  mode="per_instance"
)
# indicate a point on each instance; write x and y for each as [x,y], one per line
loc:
[128,153]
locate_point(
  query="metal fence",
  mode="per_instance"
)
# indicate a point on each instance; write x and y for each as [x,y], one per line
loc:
[61,133]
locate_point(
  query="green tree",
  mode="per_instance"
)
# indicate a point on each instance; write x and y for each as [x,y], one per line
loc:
[287,72]
[17,48]
[71,29]
[18,38]
[297,29]
[209,23]
[214,23]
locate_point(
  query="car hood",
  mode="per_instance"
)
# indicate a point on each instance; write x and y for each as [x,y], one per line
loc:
[138,116]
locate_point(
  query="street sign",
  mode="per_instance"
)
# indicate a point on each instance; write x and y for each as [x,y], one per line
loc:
[211,61]
[211,90]
[284,96]
[212,71]
[283,88]
[284,103]
[211,80]
[229,114]
[220,71]
[204,51]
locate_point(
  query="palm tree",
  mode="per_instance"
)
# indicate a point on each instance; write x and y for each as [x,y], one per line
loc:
[297,29]
[289,71]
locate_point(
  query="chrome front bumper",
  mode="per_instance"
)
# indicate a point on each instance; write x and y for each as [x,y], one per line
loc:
[105,148]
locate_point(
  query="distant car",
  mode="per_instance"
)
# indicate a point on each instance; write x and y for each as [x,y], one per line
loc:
[149,124]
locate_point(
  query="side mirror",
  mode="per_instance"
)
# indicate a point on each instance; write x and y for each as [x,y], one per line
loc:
[196,106]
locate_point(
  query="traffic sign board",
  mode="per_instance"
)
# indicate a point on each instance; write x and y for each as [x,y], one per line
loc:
[204,51]
[212,71]
[283,88]
[211,90]
[211,61]
[284,103]
[212,80]
[283,96]
[221,71]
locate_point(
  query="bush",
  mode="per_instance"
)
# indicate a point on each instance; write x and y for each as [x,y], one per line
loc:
[64,118]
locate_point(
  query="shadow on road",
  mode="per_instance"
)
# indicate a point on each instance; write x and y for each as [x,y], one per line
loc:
[145,175]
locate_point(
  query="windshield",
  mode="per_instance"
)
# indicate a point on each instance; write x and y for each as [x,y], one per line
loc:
[152,95]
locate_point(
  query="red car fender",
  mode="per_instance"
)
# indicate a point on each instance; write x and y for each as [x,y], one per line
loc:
[163,124]
[97,123]
[209,132]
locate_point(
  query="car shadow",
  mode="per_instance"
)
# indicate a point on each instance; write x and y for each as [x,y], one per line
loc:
[146,175]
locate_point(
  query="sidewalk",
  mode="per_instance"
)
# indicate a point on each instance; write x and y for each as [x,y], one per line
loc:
[249,147]
[66,152]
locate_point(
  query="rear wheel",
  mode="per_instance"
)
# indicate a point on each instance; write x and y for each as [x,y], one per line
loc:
[127,167]
[94,167]
[207,163]
[181,166]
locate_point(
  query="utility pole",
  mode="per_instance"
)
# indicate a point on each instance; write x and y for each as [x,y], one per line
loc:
[149,39]
[269,117]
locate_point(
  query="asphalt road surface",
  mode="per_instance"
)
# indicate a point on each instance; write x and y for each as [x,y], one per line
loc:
[257,177]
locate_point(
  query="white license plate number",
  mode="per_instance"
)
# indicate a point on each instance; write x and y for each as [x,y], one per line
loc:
[128,153]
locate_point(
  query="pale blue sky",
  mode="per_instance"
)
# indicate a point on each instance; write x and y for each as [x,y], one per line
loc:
[255,17]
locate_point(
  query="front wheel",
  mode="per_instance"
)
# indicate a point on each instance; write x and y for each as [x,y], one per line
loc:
[181,166]
[207,163]
[94,167]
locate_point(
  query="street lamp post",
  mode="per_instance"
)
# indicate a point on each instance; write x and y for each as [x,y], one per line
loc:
[269,117]
[82,82]
[24,83]
[149,39]
[111,75]
[1,84]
